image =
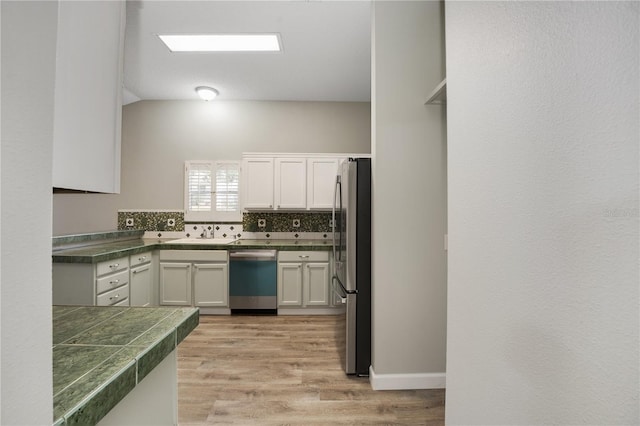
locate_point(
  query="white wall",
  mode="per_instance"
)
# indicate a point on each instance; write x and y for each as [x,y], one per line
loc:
[28,70]
[543,136]
[409,197]
[158,136]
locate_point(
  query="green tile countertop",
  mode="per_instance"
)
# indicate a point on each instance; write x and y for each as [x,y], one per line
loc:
[67,240]
[95,253]
[101,353]
[112,250]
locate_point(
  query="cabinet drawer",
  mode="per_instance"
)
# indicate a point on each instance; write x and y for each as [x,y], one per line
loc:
[114,265]
[114,296]
[194,255]
[112,281]
[124,302]
[303,256]
[139,259]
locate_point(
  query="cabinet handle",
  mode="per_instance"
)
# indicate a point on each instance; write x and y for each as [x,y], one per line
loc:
[270,206]
[114,282]
[115,265]
[114,297]
[303,256]
[135,271]
[142,259]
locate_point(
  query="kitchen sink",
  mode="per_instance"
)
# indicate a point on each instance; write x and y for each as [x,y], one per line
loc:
[201,241]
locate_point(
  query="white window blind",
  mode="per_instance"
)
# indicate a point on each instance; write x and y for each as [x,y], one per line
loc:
[199,187]
[227,187]
[212,191]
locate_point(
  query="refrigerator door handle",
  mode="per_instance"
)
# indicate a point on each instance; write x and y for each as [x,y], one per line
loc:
[337,190]
[340,289]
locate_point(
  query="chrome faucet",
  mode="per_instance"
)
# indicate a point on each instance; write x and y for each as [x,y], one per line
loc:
[205,233]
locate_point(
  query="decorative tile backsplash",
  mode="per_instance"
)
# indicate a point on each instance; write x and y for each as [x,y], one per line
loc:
[220,230]
[286,222]
[171,224]
[151,220]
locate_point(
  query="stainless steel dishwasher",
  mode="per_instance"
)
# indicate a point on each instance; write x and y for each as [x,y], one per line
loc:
[253,280]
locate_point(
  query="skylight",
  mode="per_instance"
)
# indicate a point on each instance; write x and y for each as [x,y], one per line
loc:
[222,42]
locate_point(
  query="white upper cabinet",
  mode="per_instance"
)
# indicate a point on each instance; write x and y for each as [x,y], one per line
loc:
[88,96]
[257,178]
[321,178]
[290,183]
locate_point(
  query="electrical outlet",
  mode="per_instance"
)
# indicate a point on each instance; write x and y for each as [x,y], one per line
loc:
[171,222]
[129,221]
[262,223]
[296,223]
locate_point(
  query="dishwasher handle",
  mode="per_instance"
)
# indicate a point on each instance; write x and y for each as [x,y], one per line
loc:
[253,255]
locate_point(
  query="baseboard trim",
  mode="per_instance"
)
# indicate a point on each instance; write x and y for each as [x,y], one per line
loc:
[206,310]
[406,381]
[308,311]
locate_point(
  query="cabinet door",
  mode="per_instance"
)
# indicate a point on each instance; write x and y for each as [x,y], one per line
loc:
[290,284]
[175,283]
[257,175]
[88,95]
[321,181]
[140,285]
[210,284]
[291,183]
[316,284]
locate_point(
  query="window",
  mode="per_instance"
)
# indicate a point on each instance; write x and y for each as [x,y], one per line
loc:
[227,187]
[199,187]
[212,191]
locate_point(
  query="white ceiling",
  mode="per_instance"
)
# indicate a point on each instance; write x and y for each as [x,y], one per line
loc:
[326,50]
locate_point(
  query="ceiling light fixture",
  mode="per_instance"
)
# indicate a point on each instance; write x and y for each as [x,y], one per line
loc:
[222,42]
[207,93]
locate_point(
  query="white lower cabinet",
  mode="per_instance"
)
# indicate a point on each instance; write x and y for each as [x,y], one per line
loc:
[210,284]
[175,283]
[303,281]
[125,281]
[289,284]
[141,279]
[316,284]
[118,296]
[103,284]
[195,278]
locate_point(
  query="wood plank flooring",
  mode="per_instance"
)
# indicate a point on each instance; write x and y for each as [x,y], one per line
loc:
[284,370]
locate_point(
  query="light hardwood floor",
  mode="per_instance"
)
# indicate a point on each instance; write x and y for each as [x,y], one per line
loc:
[284,370]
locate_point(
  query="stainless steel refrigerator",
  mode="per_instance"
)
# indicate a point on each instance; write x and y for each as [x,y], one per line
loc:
[352,255]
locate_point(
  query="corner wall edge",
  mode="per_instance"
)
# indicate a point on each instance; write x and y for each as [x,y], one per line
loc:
[406,381]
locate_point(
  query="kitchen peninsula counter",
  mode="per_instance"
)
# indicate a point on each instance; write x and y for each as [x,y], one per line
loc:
[101,355]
